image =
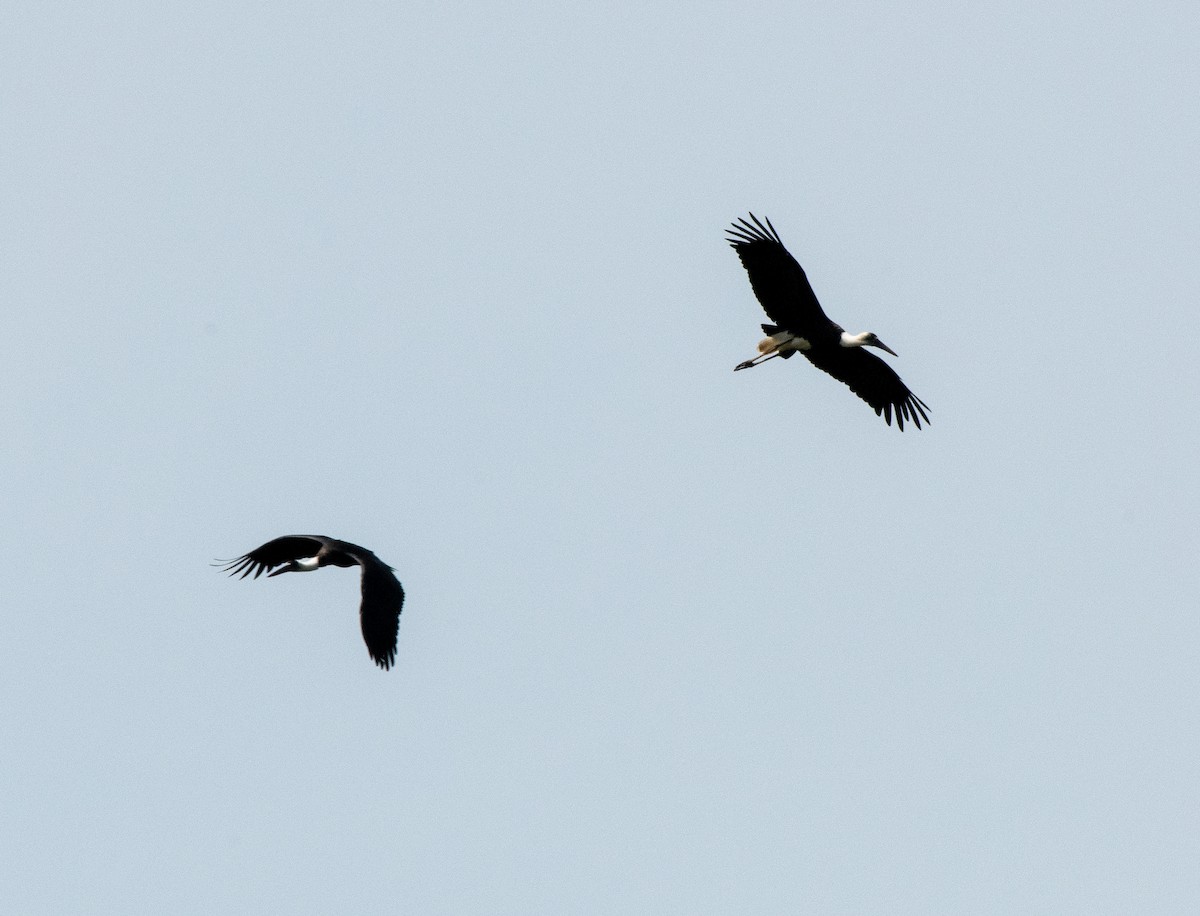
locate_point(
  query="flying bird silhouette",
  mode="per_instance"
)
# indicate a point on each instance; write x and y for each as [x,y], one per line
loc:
[801,325]
[382,594]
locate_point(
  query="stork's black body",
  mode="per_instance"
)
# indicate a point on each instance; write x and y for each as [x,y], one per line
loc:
[801,325]
[382,594]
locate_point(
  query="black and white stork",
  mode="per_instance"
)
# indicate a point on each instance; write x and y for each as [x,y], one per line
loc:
[382,594]
[801,325]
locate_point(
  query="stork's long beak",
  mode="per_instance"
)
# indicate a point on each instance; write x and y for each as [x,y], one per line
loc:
[882,346]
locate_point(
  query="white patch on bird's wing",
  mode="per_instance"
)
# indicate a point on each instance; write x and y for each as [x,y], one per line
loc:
[307,564]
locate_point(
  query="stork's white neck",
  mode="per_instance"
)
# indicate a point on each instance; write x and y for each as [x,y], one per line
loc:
[854,340]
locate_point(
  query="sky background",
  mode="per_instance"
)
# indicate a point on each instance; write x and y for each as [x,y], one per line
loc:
[450,281]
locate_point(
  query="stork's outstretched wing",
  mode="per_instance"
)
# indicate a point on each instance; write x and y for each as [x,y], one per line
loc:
[274,553]
[778,280]
[382,601]
[873,380]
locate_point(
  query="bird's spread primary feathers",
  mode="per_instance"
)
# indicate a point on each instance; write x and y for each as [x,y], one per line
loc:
[778,280]
[783,290]
[382,594]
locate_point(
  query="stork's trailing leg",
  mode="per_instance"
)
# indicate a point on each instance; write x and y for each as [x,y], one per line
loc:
[780,343]
[758,360]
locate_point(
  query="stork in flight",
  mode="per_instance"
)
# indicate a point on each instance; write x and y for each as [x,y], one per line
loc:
[382,595]
[801,325]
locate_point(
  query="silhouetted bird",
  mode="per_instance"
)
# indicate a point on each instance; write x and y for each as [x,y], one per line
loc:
[801,325]
[382,594]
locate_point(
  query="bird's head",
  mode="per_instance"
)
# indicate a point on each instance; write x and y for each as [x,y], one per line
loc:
[866,339]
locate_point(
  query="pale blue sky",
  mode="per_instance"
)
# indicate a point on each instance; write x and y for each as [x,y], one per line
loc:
[450,282]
